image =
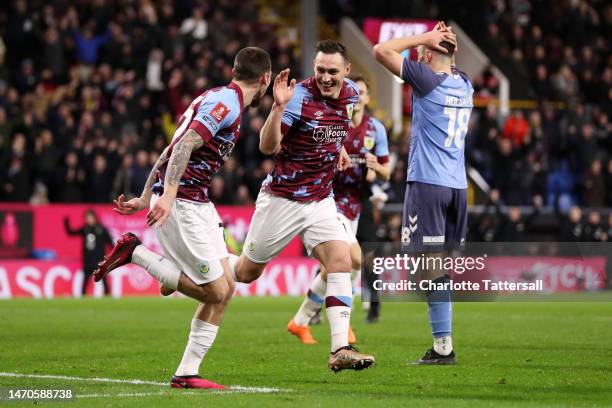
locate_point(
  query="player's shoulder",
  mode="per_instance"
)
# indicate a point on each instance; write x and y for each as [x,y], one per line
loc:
[304,87]
[376,124]
[351,86]
[226,97]
[222,93]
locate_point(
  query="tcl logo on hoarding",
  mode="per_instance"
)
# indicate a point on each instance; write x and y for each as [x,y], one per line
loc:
[558,274]
[378,30]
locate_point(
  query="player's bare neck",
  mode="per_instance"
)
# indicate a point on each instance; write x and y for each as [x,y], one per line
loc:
[441,66]
[248,91]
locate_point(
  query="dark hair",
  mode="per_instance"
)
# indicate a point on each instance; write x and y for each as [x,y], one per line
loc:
[361,78]
[331,47]
[450,47]
[90,211]
[251,63]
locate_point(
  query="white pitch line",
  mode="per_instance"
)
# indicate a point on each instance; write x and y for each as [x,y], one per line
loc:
[92,379]
[231,388]
[148,394]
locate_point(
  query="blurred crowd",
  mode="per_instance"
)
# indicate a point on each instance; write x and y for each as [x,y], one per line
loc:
[90,92]
[562,150]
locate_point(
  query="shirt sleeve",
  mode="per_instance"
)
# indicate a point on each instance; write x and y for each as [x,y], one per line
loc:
[422,79]
[218,110]
[381,146]
[293,111]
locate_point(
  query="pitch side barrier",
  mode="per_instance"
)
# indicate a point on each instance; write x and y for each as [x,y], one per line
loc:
[499,271]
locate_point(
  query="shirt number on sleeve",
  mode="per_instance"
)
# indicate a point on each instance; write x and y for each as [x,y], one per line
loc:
[186,118]
[457,126]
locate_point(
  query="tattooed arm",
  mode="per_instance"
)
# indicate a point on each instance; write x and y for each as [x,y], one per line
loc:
[140,203]
[179,158]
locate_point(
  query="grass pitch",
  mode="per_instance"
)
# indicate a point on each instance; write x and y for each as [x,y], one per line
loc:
[509,354]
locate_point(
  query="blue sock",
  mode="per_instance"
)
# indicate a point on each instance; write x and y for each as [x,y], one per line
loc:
[440,310]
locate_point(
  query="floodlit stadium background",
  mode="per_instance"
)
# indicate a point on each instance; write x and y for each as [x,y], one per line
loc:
[90,92]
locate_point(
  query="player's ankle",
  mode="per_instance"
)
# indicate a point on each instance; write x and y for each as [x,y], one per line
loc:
[443,345]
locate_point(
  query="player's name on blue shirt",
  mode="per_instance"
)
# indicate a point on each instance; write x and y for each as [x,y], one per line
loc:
[458,101]
[441,108]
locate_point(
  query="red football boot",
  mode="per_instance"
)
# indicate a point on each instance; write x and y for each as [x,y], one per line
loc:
[194,381]
[119,256]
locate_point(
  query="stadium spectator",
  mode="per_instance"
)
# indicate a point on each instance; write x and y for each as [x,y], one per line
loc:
[594,231]
[195,26]
[594,186]
[98,182]
[123,179]
[609,184]
[140,172]
[95,239]
[70,180]
[516,128]
[111,80]
[147,68]
[571,227]
[16,171]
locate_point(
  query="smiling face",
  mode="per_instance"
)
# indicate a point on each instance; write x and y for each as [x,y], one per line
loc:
[330,71]
[364,96]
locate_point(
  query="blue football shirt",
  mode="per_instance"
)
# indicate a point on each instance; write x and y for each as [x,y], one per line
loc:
[441,108]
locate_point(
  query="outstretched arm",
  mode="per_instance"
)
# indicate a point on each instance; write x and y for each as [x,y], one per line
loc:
[270,135]
[69,229]
[140,203]
[181,152]
[146,191]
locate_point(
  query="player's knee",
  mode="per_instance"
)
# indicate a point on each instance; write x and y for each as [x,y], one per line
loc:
[248,271]
[338,264]
[213,297]
[248,277]
[224,291]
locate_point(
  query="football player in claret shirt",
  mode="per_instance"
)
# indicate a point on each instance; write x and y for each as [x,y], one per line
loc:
[190,231]
[304,131]
[368,149]
[435,206]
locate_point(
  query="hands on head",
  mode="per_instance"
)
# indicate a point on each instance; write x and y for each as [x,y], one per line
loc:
[441,32]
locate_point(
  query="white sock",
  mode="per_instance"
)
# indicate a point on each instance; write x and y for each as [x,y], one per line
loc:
[312,302]
[232,265]
[162,269]
[200,341]
[443,345]
[338,301]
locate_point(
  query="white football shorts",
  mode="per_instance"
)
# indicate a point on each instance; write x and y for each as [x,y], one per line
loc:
[277,221]
[350,227]
[192,238]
